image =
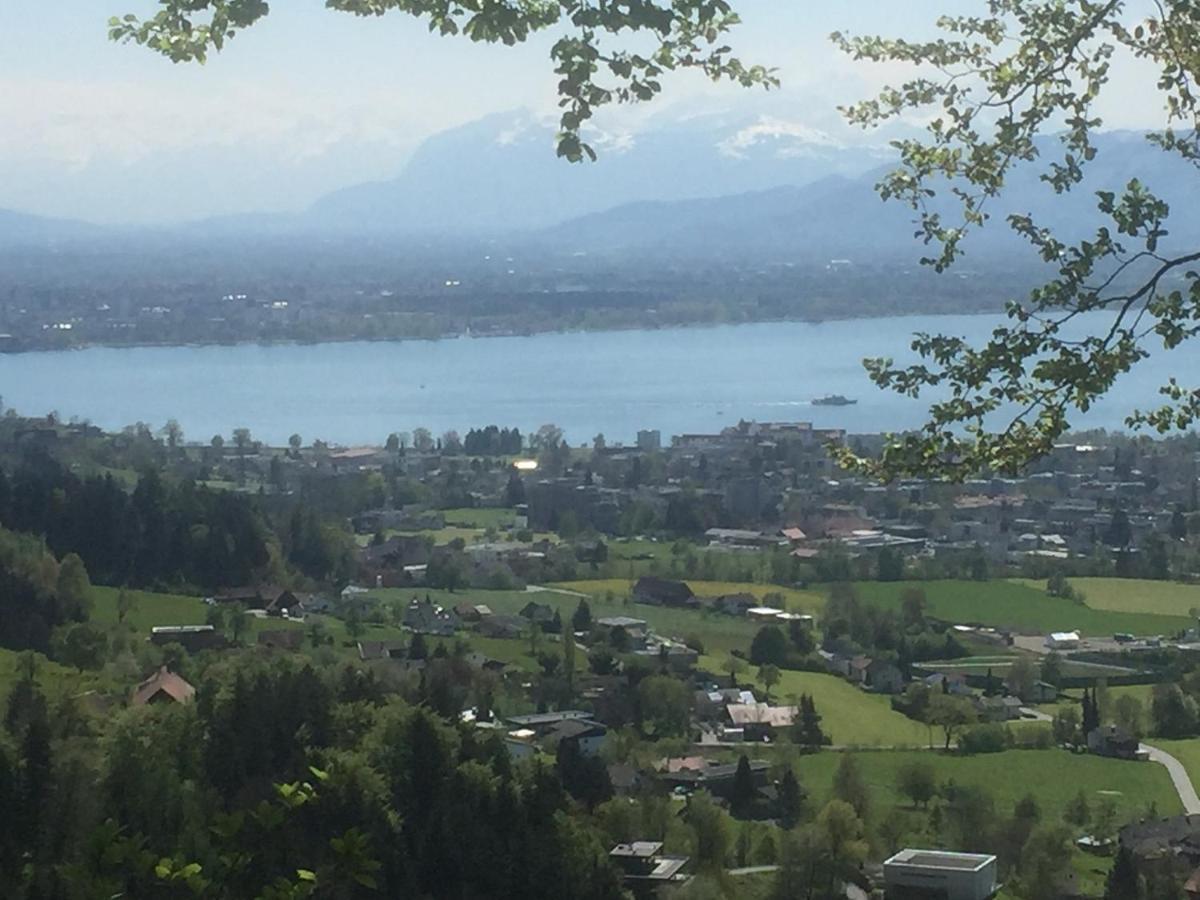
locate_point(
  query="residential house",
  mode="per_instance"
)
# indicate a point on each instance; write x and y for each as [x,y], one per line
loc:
[1043,692]
[164,686]
[472,612]
[635,629]
[998,709]
[503,627]
[541,614]
[711,704]
[1175,836]
[424,617]
[793,536]
[884,677]
[675,654]
[660,592]
[695,773]
[760,721]
[954,683]
[645,869]
[735,604]
[857,669]
[836,663]
[587,736]
[542,723]
[1113,741]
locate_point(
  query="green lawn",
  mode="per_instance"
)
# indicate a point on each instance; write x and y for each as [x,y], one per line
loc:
[1054,777]
[149,609]
[1135,595]
[1017,607]
[849,715]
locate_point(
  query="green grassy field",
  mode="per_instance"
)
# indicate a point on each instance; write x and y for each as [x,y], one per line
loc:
[490,517]
[718,633]
[1054,777]
[1135,595]
[1018,607]
[149,609]
[849,715]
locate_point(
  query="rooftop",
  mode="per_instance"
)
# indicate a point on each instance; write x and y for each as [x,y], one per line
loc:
[940,859]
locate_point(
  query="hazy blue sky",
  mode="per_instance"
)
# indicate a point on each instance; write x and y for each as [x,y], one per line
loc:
[310,100]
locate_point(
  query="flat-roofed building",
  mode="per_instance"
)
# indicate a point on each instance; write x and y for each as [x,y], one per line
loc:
[939,875]
[646,869]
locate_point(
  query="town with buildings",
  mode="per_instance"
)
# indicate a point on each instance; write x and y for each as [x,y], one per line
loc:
[717,642]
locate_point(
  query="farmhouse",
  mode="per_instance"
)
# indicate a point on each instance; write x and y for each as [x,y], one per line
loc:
[760,720]
[164,686]
[661,592]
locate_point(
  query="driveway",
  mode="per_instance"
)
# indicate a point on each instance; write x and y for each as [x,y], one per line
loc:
[1179,777]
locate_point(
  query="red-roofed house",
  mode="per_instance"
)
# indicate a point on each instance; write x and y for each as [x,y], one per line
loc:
[163,686]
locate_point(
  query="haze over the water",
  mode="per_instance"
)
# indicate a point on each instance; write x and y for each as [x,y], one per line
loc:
[310,101]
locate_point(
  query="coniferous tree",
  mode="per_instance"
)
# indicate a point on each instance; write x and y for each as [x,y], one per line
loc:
[791,799]
[1123,882]
[741,799]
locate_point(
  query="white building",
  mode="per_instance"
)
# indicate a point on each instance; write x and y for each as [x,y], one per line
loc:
[935,873]
[1063,640]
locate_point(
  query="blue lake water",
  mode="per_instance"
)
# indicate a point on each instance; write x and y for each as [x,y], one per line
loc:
[675,380]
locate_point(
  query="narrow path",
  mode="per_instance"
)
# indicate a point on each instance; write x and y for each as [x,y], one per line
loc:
[753,870]
[538,589]
[1179,777]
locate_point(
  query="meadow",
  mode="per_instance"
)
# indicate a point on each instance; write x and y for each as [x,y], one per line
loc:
[849,715]
[1053,777]
[1136,595]
[1017,606]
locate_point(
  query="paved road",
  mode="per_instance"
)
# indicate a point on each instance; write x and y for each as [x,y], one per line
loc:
[1035,715]
[754,870]
[1179,777]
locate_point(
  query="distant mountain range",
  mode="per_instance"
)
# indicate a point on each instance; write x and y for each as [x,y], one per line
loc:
[844,217]
[501,173]
[711,186]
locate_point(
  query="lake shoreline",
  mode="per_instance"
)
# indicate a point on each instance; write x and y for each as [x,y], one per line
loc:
[469,335]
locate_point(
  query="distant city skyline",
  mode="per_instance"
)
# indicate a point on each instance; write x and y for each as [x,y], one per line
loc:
[310,101]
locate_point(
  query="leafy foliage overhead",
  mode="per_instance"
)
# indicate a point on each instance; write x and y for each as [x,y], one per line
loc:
[989,88]
[658,36]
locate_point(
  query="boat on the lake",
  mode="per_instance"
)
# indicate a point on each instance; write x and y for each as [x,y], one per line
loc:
[834,400]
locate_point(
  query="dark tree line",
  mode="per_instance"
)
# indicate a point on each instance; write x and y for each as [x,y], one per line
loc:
[493,441]
[163,532]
